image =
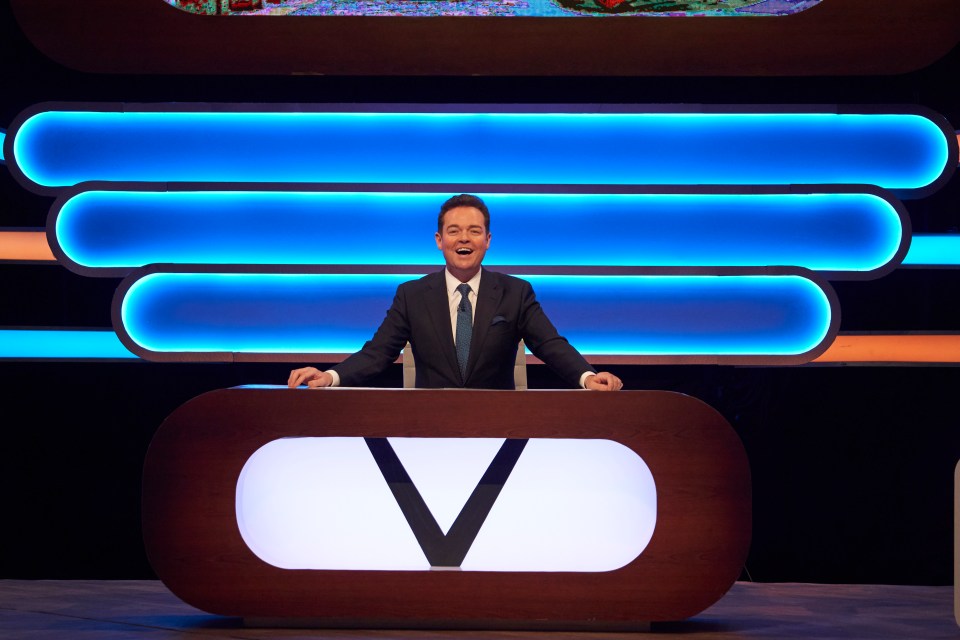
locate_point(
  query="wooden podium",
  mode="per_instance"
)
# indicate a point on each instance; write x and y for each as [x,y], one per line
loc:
[696,551]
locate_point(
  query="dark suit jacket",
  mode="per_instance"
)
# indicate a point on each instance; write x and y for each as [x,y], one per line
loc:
[507,310]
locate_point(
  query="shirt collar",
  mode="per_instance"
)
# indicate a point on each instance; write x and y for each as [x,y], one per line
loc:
[453,283]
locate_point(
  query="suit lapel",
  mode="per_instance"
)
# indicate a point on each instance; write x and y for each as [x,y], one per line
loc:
[488,300]
[438,308]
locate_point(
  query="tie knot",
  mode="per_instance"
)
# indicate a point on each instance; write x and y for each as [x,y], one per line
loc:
[464,290]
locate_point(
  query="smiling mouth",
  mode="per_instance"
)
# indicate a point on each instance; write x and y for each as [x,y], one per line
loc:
[463,251]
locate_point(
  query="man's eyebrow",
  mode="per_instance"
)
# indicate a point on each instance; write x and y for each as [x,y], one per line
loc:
[456,227]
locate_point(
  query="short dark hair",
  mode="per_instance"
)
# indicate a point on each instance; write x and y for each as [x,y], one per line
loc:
[464,200]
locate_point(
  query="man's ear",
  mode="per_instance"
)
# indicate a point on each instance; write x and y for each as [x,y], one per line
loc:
[436,237]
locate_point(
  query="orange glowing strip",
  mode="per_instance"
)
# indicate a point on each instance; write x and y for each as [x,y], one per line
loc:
[25,245]
[893,348]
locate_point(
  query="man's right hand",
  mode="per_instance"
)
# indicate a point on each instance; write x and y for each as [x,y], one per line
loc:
[309,376]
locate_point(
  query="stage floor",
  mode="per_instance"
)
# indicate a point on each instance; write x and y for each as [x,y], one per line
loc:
[145,609]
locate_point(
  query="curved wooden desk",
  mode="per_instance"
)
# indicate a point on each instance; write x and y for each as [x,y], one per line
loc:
[696,552]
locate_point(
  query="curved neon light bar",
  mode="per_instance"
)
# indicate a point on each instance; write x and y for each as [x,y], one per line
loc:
[59,148]
[115,231]
[195,313]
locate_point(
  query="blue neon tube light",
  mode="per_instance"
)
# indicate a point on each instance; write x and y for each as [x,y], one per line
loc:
[324,313]
[58,148]
[61,344]
[933,250]
[119,230]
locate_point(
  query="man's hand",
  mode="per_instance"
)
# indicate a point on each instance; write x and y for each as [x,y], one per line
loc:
[309,376]
[603,381]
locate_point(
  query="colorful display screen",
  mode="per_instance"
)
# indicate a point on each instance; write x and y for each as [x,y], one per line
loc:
[539,8]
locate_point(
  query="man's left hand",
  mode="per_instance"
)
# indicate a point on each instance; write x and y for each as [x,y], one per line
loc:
[603,381]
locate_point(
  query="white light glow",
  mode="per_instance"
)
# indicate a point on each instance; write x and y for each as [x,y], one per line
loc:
[322,503]
[568,505]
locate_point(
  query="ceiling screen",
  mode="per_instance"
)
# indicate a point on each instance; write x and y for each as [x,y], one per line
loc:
[539,8]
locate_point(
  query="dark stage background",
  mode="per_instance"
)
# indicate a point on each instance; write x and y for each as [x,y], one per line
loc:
[852,465]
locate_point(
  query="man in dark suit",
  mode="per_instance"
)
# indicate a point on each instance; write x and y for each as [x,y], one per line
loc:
[463,323]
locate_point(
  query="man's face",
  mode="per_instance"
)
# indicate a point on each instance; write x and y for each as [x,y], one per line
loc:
[464,241]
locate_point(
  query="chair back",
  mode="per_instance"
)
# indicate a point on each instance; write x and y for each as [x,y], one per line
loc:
[519,368]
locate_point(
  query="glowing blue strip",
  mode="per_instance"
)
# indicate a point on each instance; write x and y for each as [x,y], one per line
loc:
[897,151]
[3,137]
[61,344]
[933,250]
[621,315]
[832,232]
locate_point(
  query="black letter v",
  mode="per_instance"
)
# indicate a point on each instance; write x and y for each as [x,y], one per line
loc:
[445,550]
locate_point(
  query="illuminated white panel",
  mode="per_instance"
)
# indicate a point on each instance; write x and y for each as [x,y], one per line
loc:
[321,503]
[568,505]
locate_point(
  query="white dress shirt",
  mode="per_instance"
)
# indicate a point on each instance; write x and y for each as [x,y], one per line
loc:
[453,298]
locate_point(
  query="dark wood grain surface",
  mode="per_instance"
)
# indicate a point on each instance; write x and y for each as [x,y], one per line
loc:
[696,553]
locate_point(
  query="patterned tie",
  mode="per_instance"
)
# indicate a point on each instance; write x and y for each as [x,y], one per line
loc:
[464,328]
